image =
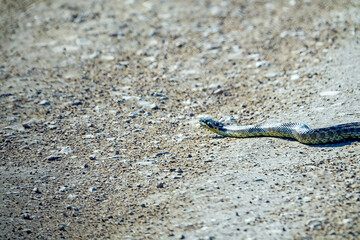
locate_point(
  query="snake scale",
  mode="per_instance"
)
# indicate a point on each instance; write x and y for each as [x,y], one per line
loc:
[298,131]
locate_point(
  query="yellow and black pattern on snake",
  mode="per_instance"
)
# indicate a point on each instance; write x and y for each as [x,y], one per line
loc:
[298,131]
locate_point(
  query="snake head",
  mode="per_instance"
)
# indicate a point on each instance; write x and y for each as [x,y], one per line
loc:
[211,124]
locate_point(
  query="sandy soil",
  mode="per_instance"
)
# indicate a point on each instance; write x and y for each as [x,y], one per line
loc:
[100,103]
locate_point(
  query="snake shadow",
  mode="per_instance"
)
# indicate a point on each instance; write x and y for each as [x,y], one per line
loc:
[328,145]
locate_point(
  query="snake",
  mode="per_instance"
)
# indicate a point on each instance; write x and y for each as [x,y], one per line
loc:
[297,131]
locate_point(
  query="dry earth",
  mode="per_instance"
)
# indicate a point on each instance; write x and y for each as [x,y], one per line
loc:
[100,102]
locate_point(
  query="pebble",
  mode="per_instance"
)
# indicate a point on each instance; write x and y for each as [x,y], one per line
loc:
[36,190]
[27,230]
[123,63]
[292,2]
[270,6]
[145,163]
[262,64]
[348,221]
[29,124]
[217,11]
[44,103]
[228,119]
[160,185]
[132,114]
[83,42]
[235,56]
[329,93]
[66,150]
[77,103]
[316,222]
[62,227]
[67,48]
[93,55]
[259,180]
[286,34]
[273,74]
[147,104]
[159,95]
[89,136]
[15,127]
[64,188]
[26,216]
[215,85]
[72,196]
[191,72]
[149,59]
[107,57]
[295,77]
[53,158]
[161,153]
[254,56]
[52,126]
[218,91]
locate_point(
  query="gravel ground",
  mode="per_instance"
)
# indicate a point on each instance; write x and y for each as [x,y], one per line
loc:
[100,102]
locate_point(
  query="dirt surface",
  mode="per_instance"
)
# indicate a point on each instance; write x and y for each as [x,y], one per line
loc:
[100,102]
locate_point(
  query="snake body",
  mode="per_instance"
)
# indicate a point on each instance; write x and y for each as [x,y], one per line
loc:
[297,131]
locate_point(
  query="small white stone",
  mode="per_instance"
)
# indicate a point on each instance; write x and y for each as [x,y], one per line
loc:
[347,221]
[295,77]
[107,57]
[66,48]
[234,56]
[66,150]
[292,2]
[150,59]
[270,6]
[145,163]
[44,103]
[90,56]
[273,74]
[284,34]
[228,119]
[216,11]
[214,85]
[63,189]
[329,93]
[83,42]
[191,72]
[147,104]
[262,64]
[72,196]
[254,56]
[89,136]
